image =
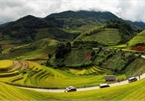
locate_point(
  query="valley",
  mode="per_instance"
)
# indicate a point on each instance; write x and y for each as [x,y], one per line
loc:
[71,49]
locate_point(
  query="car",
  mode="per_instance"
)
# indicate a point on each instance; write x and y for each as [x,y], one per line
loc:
[132,79]
[104,85]
[70,89]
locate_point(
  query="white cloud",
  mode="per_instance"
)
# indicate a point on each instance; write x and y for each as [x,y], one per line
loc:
[127,9]
[132,10]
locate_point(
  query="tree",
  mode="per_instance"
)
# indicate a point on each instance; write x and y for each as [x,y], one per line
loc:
[1,49]
[125,30]
[6,31]
[68,46]
[62,50]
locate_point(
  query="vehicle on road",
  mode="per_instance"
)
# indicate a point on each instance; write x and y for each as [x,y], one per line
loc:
[104,85]
[70,89]
[132,79]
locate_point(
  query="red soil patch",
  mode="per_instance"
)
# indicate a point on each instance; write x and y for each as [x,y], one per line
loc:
[139,48]
[87,56]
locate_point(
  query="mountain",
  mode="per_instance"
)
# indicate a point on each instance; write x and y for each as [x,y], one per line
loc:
[83,14]
[81,20]
[84,20]
[28,21]
[137,24]
[30,28]
[64,26]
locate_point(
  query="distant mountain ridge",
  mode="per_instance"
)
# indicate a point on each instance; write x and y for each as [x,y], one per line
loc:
[67,22]
[98,17]
[63,18]
[83,14]
[79,14]
[81,20]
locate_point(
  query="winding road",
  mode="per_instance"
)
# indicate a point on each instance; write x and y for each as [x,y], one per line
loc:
[86,88]
[83,89]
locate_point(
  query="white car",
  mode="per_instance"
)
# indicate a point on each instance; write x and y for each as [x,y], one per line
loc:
[70,89]
[104,85]
[132,79]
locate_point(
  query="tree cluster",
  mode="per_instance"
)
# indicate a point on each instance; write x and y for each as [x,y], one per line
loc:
[62,50]
[25,28]
[125,30]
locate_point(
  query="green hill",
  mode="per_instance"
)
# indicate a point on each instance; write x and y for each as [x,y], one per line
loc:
[138,39]
[30,28]
[108,36]
[36,51]
[112,33]
[114,61]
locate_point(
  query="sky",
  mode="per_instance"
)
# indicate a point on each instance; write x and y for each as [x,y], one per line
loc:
[11,10]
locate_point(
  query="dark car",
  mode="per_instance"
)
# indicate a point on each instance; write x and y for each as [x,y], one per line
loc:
[132,79]
[104,85]
[70,89]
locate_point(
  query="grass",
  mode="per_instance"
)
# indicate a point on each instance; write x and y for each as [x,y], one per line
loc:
[139,39]
[78,57]
[131,91]
[42,33]
[85,27]
[37,51]
[42,76]
[64,79]
[122,46]
[137,67]
[110,35]
[6,64]
[8,43]
[94,70]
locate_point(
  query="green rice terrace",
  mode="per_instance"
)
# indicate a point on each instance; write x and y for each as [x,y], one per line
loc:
[30,74]
[26,73]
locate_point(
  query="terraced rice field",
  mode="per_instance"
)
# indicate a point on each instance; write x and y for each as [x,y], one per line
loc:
[94,70]
[26,73]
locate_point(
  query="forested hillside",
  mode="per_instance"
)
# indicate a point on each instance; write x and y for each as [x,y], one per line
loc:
[60,26]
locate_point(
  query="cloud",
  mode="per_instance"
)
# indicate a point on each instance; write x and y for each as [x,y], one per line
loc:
[132,10]
[11,10]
